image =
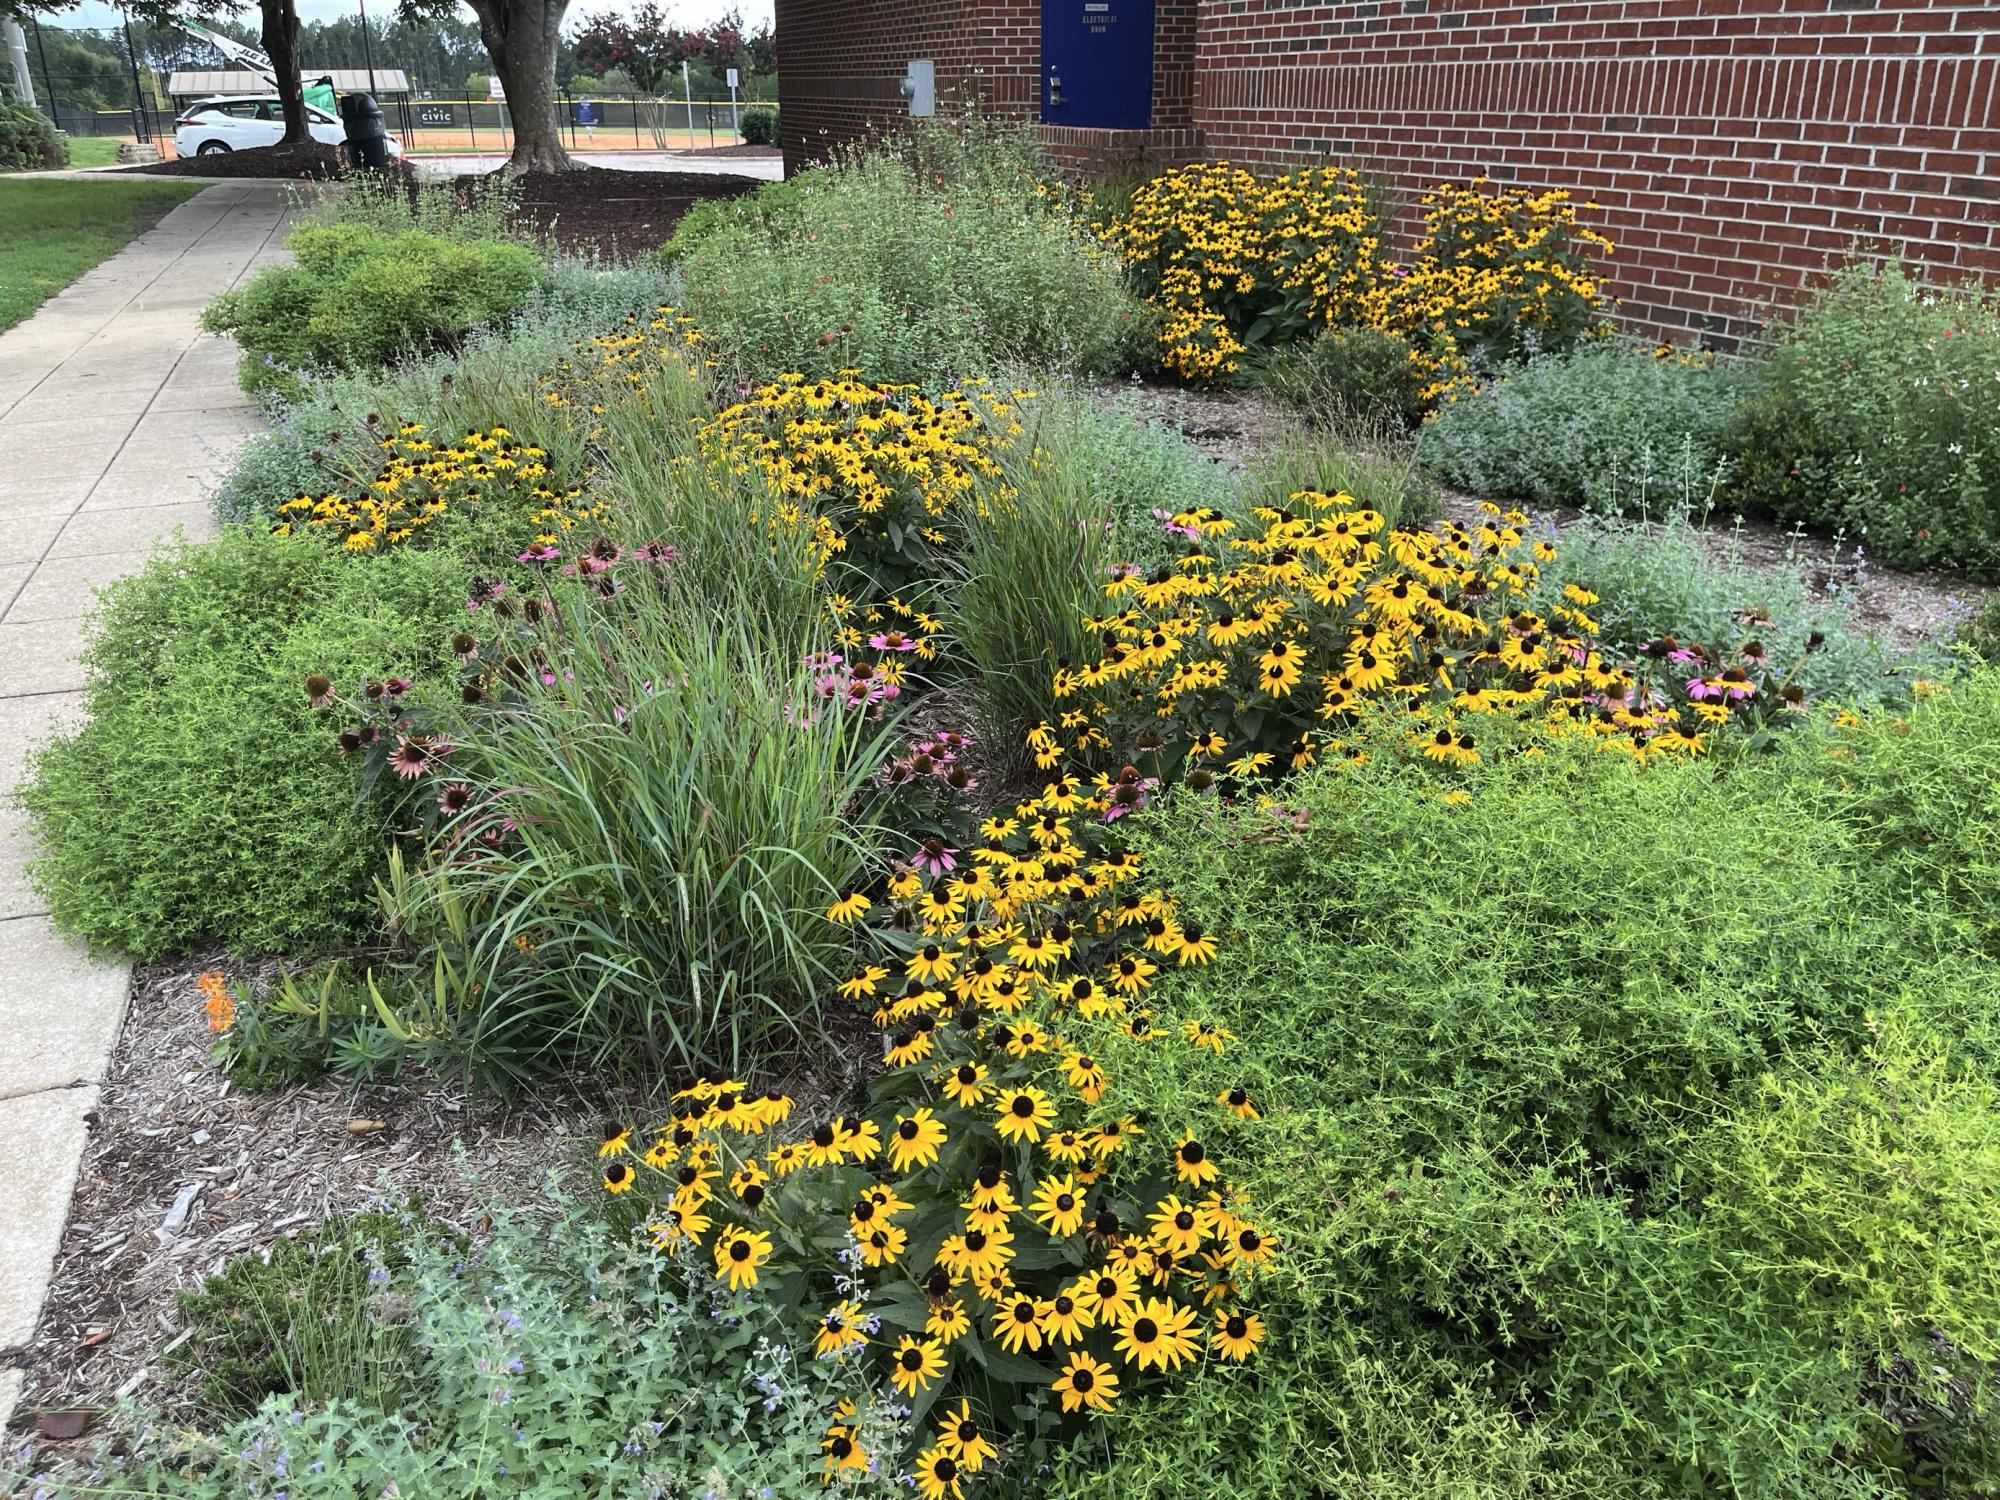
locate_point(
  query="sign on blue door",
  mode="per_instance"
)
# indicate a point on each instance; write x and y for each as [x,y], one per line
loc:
[1097,63]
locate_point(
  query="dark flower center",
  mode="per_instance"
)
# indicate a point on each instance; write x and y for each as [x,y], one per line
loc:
[1236,1328]
[1144,1330]
[1082,1381]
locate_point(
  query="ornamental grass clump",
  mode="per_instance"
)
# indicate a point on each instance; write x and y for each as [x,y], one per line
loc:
[638,797]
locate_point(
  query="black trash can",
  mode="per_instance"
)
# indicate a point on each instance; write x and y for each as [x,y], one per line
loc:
[367,142]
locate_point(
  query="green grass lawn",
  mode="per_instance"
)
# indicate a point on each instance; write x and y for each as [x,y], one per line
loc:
[52,231]
[93,150]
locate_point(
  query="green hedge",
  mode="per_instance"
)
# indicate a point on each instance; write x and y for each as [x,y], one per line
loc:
[1629,1130]
[360,297]
[203,798]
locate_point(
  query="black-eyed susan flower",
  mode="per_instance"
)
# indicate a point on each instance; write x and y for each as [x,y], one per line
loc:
[661,1155]
[1191,1163]
[1250,1246]
[938,1475]
[1237,1101]
[1208,1035]
[738,1255]
[1106,1294]
[977,1253]
[907,1047]
[1086,1384]
[1236,1334]
[619,1177]
[1108,1139]
[915,1363]
[842,1447]
[947,1321]
[1131,974]
[1177,1226]
[1087,1076]
[1024,1113]
[960,1436]
[864,984]
[882,1244]
[1058,1206]
[1018,1322]
[989,1189]
[860,1140]
[1065,1320]
[1193,945]
[965,1085]
[679,1227]
[1067,1146]
[1157,1335]
[786,1159]
[848,907]
[617,1141]
[916,1140]
[841,1327]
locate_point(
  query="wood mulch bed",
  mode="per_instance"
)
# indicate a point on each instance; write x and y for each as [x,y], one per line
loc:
[609,212]
[184,1172]
[315,162]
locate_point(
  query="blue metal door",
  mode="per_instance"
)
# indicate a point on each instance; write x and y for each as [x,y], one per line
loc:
[1097,63]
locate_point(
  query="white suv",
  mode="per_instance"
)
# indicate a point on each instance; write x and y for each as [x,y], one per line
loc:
[237,122]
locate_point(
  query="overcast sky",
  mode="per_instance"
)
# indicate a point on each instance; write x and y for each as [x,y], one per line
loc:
[685,12]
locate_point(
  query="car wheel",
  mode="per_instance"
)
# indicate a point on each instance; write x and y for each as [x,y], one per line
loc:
[213,148]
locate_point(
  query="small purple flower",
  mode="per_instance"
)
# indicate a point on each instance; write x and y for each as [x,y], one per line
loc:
[541,552]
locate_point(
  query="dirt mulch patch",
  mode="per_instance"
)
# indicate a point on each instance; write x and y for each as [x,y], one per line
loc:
[313,163]
[184,1172]
[615,213]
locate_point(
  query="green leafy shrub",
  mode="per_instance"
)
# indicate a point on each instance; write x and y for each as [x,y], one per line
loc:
[768,208]
[1594,429]
[549,1360]
[360,297]
[1603,1155]
[1876,414]
[28,142]
[759,125]
[962,262]
[201,797]
[1346,375]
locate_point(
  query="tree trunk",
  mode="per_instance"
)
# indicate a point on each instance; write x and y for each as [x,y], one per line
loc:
[521,38]
[281,45]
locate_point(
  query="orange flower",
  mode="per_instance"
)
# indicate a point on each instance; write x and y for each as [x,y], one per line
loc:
[215,1000]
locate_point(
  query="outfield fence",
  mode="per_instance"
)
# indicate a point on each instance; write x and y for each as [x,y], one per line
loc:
[439,126]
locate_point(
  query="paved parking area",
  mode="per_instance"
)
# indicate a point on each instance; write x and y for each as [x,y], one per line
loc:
[117,416]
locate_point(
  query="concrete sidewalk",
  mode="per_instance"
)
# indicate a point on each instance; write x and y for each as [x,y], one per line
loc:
[117,416]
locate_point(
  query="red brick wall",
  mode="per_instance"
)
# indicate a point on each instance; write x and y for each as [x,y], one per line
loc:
[1732,145]
[842,61]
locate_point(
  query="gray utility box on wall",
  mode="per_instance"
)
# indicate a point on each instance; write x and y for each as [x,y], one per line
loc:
[919,85]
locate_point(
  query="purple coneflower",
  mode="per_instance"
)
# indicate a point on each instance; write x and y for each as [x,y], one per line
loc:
[410,759]
[936,856]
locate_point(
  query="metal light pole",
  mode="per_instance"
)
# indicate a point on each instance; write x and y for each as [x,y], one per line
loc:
[367,51]
[48,80]
[140,126]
